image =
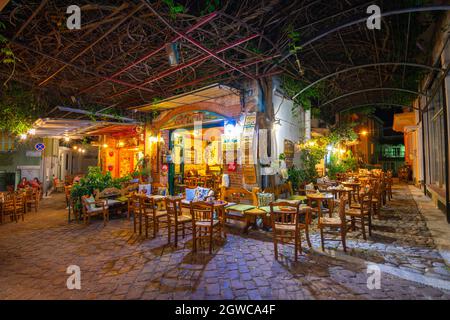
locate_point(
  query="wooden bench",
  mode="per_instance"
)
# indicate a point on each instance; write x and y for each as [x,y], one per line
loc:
[239,200]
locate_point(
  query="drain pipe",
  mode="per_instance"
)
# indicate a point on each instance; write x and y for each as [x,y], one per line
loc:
[424,166]
[447,183]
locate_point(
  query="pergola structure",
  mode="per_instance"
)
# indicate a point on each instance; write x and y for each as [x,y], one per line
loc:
[119,58]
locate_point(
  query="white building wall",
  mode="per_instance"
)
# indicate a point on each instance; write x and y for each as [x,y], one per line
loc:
[292,124]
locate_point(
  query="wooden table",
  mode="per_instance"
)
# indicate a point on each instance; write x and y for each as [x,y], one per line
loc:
[319,198]
[252,215]
[337,192]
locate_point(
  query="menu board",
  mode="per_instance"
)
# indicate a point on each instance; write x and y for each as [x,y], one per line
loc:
[248,139]
[250,123]
[249,173]
[289,152]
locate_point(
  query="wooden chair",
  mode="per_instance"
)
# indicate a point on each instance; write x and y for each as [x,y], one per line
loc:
[286,225]
[362,212]
[9,207]
[177,218]
[376,198]
[340,223]
[91,207]
[152,215]
[20,204]
[58,185]
[204,224]
[32,199]
[134,207]
[67,191]
[389,183]
[191,182]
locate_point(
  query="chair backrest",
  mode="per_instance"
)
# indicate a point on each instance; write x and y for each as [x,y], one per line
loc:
[202,211]
[285,189]
[8,200]
[191,182]
[108,192]
[284,213]
[132,187]
[136,202]
[342,206]
[20,198]
[67,190]
[173,207]
[86,204]
[32,194]
[240,195]
[273,190]
[365,197]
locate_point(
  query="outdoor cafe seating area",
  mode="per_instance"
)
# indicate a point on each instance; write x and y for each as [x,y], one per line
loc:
[205,212]
[15,205]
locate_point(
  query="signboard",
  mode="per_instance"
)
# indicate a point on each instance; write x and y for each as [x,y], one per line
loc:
[248,139]
[249,172]
[232,167]
[250,123]
[34,154]
[289,152]
[39,147]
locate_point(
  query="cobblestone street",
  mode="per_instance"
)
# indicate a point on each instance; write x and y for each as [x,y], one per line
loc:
[117,264]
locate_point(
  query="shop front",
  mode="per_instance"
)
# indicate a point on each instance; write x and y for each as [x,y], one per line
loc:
[200,143]
[121,150]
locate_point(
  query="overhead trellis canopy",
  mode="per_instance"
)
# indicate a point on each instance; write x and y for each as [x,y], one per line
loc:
[119,57]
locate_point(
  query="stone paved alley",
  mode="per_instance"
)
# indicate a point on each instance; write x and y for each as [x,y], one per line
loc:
[116,264]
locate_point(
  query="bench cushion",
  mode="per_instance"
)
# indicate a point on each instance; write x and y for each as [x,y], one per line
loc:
[240,207]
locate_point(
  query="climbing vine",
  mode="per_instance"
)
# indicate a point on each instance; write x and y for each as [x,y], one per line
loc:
[174,8]
[7,55]
[18,110]
[292,86]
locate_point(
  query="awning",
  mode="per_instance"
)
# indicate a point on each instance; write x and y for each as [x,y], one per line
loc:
[204,94]
[403,120]
[76,129]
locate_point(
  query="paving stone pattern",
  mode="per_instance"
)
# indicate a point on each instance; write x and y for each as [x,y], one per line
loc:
[117,264]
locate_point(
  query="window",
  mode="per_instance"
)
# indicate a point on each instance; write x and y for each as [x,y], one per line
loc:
[435,139]
[6,142]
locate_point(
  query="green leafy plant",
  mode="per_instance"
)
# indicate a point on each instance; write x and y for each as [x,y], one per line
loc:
[210,6]
[174,8]
[6,54]
[341,165]
[18,110]
[305,100]
[96,180]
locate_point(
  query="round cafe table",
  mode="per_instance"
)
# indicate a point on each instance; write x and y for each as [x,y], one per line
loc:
[319,198]
[338,192]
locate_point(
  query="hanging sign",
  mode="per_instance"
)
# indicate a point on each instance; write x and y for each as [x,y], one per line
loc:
[232,167]
[39,147]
